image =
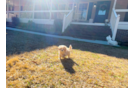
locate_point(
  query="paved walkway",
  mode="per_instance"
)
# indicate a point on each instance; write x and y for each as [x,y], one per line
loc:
[61,37]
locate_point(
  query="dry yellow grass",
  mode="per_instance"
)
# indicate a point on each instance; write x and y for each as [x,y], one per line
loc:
[32,62]
[85,69]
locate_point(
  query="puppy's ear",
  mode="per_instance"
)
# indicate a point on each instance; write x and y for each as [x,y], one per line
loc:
[70,47]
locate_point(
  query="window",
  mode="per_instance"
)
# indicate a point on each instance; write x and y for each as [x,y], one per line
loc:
[54,6]
[10,5]
[58,15]
[70,6]
[62,6]
[83,7]
[83,11]
[21,8]
[6,15]
[16,5]
[6,6]
[13,14]
[42,5]
[26,15]
[41,15]
[26,5]
[54,15]
[13,5]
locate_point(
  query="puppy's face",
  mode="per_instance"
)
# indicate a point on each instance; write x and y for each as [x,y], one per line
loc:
[62,49]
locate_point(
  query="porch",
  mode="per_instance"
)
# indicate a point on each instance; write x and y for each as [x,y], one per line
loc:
[86,12]
[45,11]
[94,32]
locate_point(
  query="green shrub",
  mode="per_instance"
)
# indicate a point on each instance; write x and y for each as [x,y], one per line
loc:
[15,21]
[22,26]
[31,25]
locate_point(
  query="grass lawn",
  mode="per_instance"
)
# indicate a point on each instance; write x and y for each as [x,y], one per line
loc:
[32,62]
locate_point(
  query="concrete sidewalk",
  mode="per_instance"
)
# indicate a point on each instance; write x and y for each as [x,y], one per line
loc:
[60,37]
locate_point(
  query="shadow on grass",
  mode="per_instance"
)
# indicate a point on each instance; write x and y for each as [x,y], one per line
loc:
[68,65]
[19,42]
[119,52]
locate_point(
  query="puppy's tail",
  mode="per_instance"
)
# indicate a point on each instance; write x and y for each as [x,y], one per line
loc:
[70,47]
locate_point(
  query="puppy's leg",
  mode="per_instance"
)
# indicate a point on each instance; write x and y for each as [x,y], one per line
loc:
[63,56]
[59,55]
[69,55]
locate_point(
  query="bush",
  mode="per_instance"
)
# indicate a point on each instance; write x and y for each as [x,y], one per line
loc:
[31,25]
[15,21]
[22,26]
[58,25]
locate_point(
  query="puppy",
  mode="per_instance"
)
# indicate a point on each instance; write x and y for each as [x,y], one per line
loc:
[64,51]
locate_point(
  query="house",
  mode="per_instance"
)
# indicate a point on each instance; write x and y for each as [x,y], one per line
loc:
[84,12]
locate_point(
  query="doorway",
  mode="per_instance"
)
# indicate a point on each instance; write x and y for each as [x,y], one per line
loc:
[82,11]
[102,11]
